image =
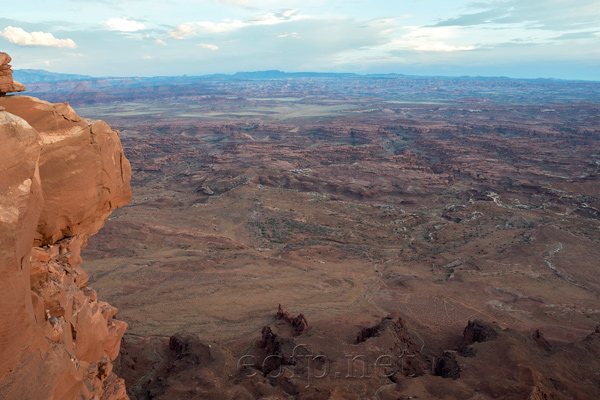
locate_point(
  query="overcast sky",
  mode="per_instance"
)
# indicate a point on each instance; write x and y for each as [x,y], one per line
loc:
[528,38]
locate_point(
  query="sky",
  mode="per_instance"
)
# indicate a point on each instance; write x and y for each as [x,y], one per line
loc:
[514,38]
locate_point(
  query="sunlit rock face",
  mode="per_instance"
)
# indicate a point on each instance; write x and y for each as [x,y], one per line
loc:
[60,178]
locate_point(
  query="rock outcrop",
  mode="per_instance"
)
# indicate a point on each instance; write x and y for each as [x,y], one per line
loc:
[7,83]
[388,362]
[299,322]
[476,332]
[60,178]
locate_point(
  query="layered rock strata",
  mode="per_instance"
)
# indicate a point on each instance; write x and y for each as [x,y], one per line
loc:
[60,178]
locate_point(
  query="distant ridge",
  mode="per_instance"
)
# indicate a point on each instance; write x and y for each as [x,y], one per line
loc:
[40,75]
[275,74]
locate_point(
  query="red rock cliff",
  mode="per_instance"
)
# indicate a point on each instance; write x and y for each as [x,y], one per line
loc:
[60,178]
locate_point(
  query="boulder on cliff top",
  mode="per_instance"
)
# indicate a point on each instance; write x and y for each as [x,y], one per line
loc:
[7,83]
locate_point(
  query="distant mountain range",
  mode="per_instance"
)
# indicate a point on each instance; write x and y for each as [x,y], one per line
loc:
[82,89]
[41,76]
[274,74]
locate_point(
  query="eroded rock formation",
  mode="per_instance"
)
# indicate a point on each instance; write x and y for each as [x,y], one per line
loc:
[477,332]
[390,361]
[61,176]
[7,83]
[299,322]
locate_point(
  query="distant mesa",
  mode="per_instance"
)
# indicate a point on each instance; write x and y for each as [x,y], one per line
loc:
[7,83]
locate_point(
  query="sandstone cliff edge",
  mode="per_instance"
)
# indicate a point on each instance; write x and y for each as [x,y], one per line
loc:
[60,178]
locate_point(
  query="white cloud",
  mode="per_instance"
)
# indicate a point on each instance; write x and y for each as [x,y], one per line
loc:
[289,13]
[160,42]
[208,46]
[124,25]
[291,34]
[147,57]
[439,46]
[22,38]
[182,31]
[267,4]
[228,25]
[428,39]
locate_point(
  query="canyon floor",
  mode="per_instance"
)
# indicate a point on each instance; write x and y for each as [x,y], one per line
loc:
[348,201]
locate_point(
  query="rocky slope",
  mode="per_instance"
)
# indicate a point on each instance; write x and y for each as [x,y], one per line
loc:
[61,176]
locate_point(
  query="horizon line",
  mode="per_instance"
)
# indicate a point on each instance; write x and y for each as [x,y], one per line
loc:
[355,74]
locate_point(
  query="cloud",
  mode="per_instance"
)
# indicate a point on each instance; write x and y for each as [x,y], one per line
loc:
[319,43]
[22,38]
[536,14]
[229,25]
[439,46]
[181,31]
[428,39]
[124,25]
[219,27]
[578,36]
[160,42]
[289,13]
[147,57]
[261,4]
[291,34]
[208,46]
